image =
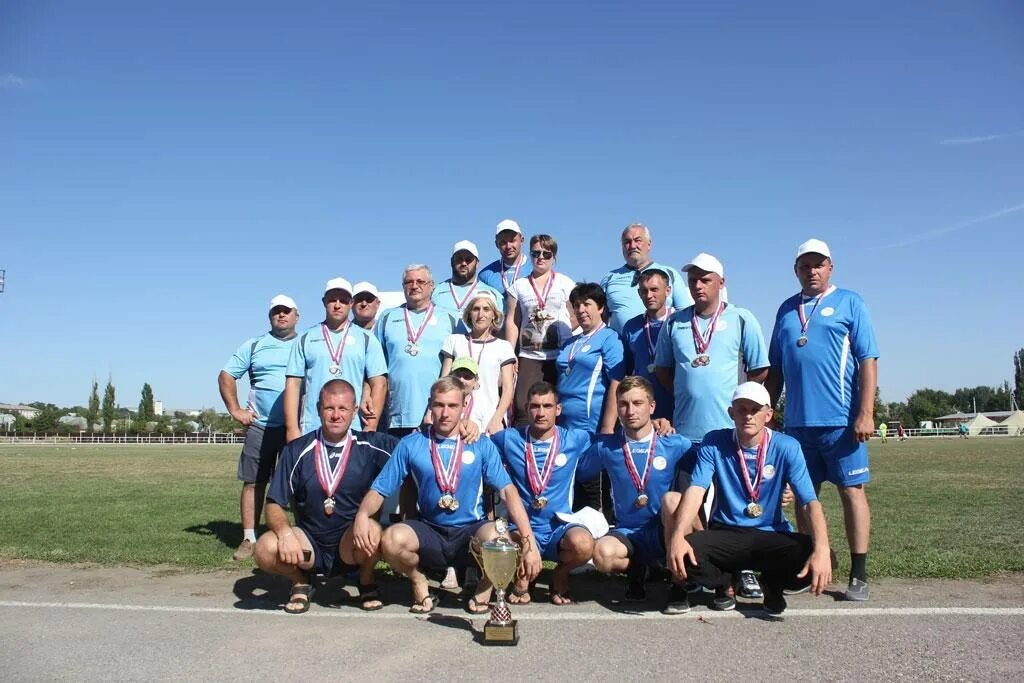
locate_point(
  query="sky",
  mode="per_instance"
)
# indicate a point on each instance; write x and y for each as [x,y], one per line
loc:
[167,168]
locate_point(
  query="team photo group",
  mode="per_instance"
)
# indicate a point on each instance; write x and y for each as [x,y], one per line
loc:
[625,426]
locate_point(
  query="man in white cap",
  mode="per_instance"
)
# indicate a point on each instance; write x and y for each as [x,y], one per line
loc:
[512,265]
[751,466]
[620,285]
[824,352]
[365,304]
[701,353]
[334,349]
[264,360]
[455,293]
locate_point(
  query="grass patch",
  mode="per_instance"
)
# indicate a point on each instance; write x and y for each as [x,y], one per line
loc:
[940,508]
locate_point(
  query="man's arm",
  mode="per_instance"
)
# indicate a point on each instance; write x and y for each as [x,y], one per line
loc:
[292,388]
[378,392]
[679,548]
[362,528]
[289,550]
[512,320]
[229,393]
[758,376]
[517,513]
[666,376]
[819,564]
[774,383]
[864,426]
[609,414]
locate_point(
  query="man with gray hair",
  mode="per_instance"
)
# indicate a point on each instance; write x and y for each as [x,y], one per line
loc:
[620,285]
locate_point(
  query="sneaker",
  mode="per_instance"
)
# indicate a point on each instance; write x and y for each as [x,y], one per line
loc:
[796,591]
[857,591]
[723,601]
[678,600]
[450,580]
[244,551]
[748,586]
[637,589]
[774,601]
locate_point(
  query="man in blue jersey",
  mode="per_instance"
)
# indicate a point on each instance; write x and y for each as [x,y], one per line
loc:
[264,359]
[620,285]
[333,349]
[412,336]
[450,476]
[512,264]
[640,336]
[322,478]
[751,466]
[455,293]
[824,353]
[541,459]
[642,467]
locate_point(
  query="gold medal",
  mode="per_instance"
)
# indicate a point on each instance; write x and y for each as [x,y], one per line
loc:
[328,506]
[539,502]
[704,359]
[641,500]
[754,510]
[446,502]
[802,341]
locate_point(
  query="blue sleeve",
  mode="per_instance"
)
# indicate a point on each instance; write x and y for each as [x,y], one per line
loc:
[775,349]
[498,439]
[628,360]
[494,470]
[376,365]
[755,351]
[590,464]
[394,473]
[797,475]
[379,329]
[680,290]
[663,353]
[614,358]
[863,340]
[240,361]
[704,470]
[280,489]
[297,358]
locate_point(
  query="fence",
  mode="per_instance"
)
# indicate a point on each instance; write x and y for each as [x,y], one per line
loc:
[183,439]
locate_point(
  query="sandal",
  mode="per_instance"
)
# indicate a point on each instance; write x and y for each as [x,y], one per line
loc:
[559,599]
[298,601]
[474,607]
[369,598]
[519,596]
[420,606]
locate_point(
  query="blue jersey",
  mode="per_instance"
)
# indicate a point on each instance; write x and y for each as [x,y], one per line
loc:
[572,445]
[703,394]
[410,376]
[265,360]
[500,277]
[295,484]
[456,298]
[822,378]
[583,381]
[607,454]
[620,286]
[783,464]
[310,360]
[480,463]
[638,345]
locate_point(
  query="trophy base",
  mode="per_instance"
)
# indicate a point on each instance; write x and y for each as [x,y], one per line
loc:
[501,634]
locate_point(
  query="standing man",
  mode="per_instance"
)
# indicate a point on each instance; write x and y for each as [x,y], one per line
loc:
[365,304]
[512,264]
[412,336]
[264,359]
[620,285]
[640,336]
[824,353]
[334,349]
[455,293]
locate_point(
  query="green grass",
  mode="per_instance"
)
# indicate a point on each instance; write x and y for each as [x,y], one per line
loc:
[940,508]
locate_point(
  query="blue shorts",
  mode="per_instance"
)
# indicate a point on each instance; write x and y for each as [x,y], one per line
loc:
[327,556]
[548,544]
[833,454]
[645,545]
[443,546]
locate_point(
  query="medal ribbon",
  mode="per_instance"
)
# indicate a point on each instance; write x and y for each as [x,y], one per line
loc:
[651,342]
[539,479]
[805,320]
[469,343]
[415,336]
[702,341]
[468,410]
[515,276]
[753,489]
[542,297]
[336,354]
[583,338]
[640,482]
[447,478]
[329,480]
[455,298]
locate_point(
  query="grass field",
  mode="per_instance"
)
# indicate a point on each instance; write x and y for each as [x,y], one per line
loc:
[941,508]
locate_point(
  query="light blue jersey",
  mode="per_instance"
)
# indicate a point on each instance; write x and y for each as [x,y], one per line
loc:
[480,463]
[783,464]
[455,298]
[410,376]
[265,360]
[310,360]
[703,393]
[639,342]
[822,378]
[620,286]
[500,277]
[583,381]
[608,454]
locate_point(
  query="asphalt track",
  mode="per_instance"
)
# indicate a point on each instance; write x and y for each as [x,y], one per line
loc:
[59,622]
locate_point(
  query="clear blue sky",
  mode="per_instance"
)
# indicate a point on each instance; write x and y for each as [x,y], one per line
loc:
[166,168]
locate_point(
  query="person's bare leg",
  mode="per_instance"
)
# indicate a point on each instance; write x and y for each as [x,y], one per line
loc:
[267,560]
[247,506]
[574,550]
[365,561]
[259,495]
[482,596]
[400,548]
[610,555]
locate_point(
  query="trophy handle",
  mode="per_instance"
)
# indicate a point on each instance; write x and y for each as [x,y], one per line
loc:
[474,550]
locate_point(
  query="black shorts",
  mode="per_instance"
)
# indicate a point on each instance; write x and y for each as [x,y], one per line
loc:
[443,546]
[259,453]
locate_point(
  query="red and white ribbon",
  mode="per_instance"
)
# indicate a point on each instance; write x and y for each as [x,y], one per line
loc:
[639,481]
[701,341]
[329,478]
[455,298]
[539,478]
[542,296]
[414,337]
[338,353]
[447,477]
[753,487]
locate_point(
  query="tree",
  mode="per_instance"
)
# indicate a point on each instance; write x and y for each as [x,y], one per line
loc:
[1018,376]
[928,404]
[881,414]
[92,412]
[146,404]
[109,405]
[984,397]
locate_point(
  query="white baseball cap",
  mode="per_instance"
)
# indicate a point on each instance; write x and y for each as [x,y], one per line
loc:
[338,283]
[507,224]
[814,246]
[283,300]
[706,262]
[465,245]
[752,391]
[365,286]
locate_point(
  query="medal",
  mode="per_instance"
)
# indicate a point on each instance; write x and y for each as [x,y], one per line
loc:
[483,345]
[640,481]
[701,341]
[537,477]
[328,506]
[333,369]
[650,368]
[446,502]
[460,304]
[413,337]
[335,354]
[539,503]
[542,296]
[802,341]
[753,509]
[329,478]
[805,320]
[447,478]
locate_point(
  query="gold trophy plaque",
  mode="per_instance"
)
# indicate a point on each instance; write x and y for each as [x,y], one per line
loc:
[499,560]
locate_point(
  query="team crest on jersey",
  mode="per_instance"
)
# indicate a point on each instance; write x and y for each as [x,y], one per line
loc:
[659,463]
[468,457]
[827,311]
[721,325]
[561,459]
[768,472]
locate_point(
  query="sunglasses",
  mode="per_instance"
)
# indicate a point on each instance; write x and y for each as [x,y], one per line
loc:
[416,283]
[542,253]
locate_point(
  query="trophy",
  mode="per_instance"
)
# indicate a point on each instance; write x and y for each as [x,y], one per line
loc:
[499,560]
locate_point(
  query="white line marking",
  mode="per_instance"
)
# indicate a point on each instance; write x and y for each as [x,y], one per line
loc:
[560,616]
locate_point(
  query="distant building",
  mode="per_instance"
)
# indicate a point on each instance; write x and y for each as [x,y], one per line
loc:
[956,419]
[158,408]
[74,422]
[27,412]
[6,421]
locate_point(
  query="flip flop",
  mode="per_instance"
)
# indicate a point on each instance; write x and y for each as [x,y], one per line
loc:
[301,593]
[565,597]
[519,595]
[370,593]
[474,607]
[422,604]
